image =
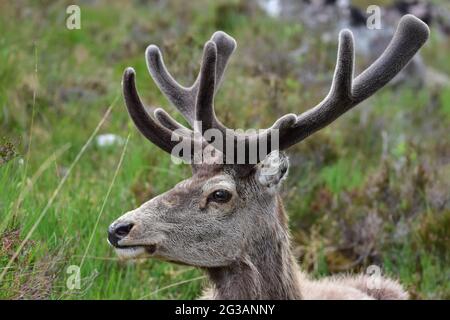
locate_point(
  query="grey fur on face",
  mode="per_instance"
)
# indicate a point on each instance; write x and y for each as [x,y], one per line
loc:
[188,226]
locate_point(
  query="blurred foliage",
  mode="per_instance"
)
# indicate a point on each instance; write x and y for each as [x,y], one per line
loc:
[373,188]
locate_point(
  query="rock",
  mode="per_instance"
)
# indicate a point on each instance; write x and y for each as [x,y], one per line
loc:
[108,139]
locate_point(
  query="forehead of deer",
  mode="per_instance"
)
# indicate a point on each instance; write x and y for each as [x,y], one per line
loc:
[206,183]
[224,181]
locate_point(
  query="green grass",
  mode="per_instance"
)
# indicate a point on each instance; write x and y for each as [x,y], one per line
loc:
[56,86]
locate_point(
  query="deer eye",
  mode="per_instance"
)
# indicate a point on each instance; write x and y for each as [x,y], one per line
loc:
[220,196]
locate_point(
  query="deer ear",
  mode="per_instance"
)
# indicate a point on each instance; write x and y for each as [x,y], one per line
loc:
[272,170]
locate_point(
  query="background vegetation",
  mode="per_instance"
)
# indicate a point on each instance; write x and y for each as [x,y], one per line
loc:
[373,188]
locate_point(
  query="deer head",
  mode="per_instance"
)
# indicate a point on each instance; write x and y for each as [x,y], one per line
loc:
[230,212]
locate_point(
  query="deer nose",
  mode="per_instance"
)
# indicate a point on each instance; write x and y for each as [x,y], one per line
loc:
[118,232]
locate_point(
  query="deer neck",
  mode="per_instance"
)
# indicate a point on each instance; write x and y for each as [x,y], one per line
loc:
[267,270]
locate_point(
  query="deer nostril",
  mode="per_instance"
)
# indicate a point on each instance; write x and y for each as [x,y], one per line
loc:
[123,230]
[117,233]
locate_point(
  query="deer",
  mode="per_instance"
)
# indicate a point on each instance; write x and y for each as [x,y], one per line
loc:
[228,219]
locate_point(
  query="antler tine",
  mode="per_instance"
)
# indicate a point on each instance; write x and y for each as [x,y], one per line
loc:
[167,121]
[204,109]
[183,98]
[178,95]
[151,129]
[341,91]
[343,73]
[409,37]
[225,47]
[346,93]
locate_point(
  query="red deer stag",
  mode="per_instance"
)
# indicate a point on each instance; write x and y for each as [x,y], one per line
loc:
[228,218]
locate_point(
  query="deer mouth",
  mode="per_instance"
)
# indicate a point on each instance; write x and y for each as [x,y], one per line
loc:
[135,251]
[150,249]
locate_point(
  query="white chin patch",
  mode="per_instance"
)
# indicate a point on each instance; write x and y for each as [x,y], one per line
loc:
[130,253]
